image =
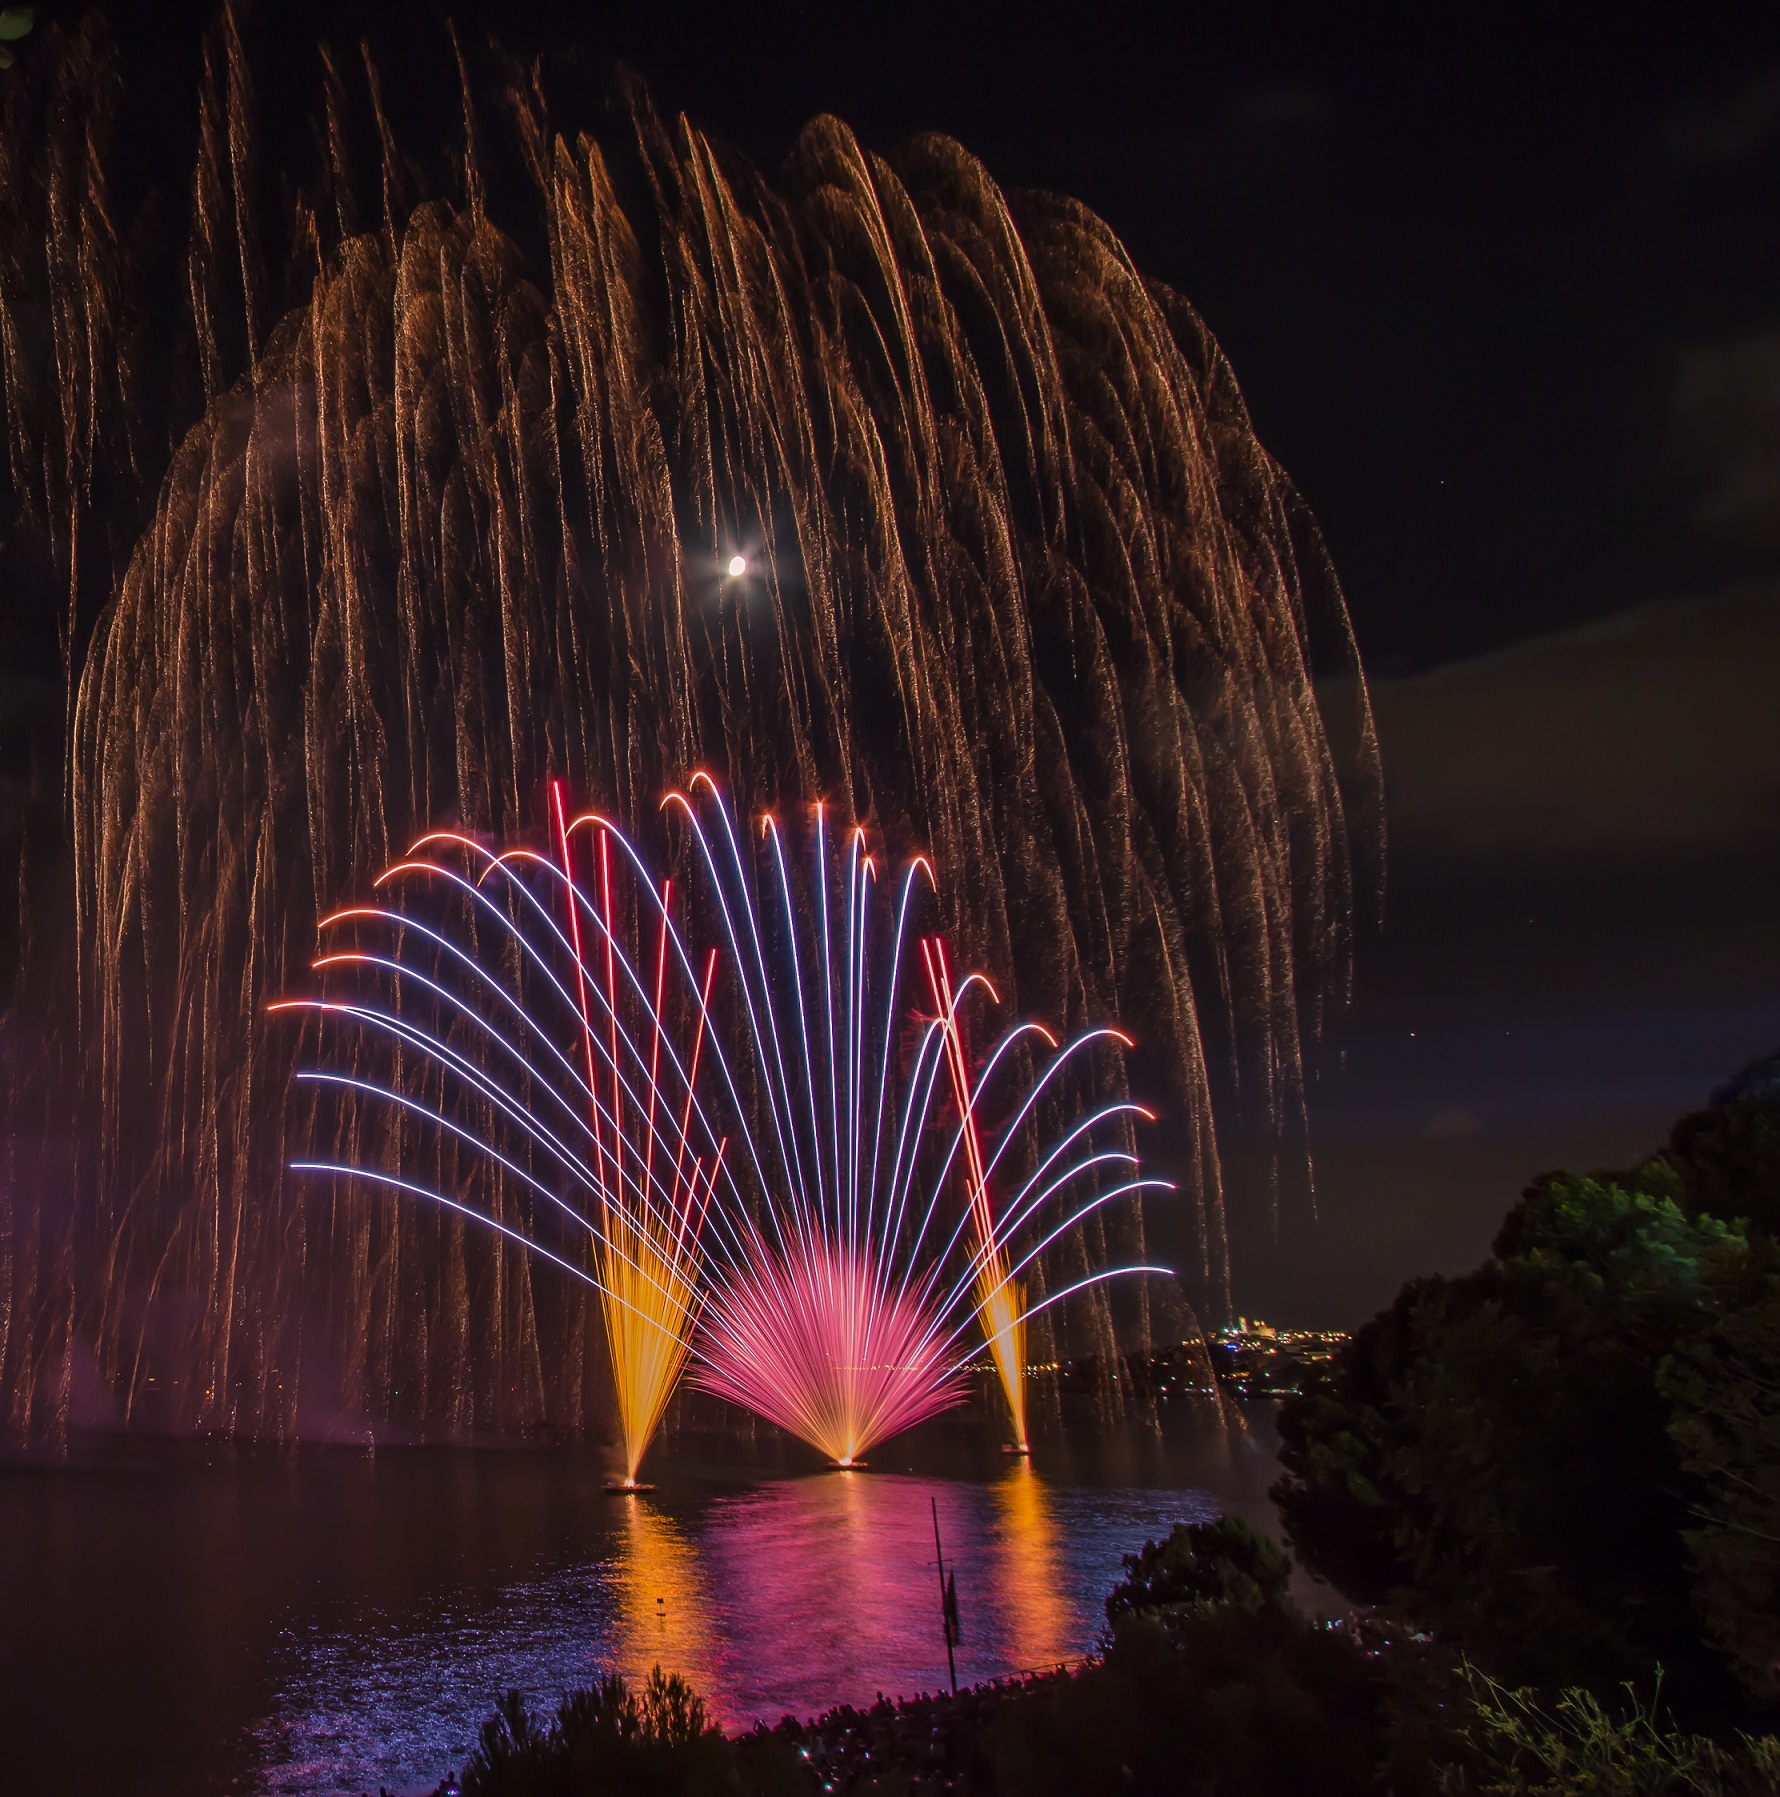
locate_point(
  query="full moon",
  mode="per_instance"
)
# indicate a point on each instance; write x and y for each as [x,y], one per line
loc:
[738,566]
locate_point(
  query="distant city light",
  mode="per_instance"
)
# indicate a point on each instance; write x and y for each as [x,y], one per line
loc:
[738,566]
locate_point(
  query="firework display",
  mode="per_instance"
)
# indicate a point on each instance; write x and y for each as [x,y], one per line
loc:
[864,479]
[813,1220]
[787,1222]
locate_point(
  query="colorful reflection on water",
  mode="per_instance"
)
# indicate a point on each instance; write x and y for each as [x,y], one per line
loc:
[1029,1572]
[781,1598]
[661,1614]
[344,1622]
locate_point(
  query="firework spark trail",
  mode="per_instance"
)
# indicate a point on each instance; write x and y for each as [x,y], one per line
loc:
[646,1233]
[998,1297]
[649,1260]
[1024,589]
[773,1270]
[850,1324]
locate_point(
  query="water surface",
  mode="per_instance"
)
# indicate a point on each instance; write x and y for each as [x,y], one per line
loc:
[332,1621]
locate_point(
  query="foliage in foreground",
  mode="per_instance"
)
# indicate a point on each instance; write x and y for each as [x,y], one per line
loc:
[1569,1459]
[1200,1568]
[1579,1745]
[659,1742]
[1724,1385]
[1259,1718]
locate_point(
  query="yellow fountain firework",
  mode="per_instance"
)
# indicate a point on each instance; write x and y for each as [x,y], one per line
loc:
[1001,1307]
[647,1247]
[648,1273]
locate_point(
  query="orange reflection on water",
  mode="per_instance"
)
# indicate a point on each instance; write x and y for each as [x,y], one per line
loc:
[662,1612]
[1027,1569]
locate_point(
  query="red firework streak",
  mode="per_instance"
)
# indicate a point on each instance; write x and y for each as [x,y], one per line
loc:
[999,1305]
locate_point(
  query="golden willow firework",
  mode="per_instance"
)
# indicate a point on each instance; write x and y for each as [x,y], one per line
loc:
[1023,591]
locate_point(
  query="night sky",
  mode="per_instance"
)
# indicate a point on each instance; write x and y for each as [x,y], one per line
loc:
[1504,297]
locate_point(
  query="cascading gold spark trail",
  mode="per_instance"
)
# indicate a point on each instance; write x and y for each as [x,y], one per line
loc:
[443,516]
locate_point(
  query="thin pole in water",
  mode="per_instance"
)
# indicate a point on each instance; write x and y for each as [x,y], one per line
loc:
[947,1603]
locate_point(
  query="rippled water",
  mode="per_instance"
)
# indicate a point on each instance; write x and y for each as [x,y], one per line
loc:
[334,1621]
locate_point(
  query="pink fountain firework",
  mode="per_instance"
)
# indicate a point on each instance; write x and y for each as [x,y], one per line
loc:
[817,1343]
[763,1152]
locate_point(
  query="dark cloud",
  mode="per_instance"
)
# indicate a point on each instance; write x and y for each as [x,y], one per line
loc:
[1727,414]
[1653,728]
[1581,939]
[1730,124]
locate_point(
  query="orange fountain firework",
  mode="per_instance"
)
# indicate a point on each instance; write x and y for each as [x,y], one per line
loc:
[453,994]
[998,1293]
[648,1251]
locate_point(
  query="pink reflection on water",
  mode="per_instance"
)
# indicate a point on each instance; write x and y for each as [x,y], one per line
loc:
[827,1585]
[788,1596]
